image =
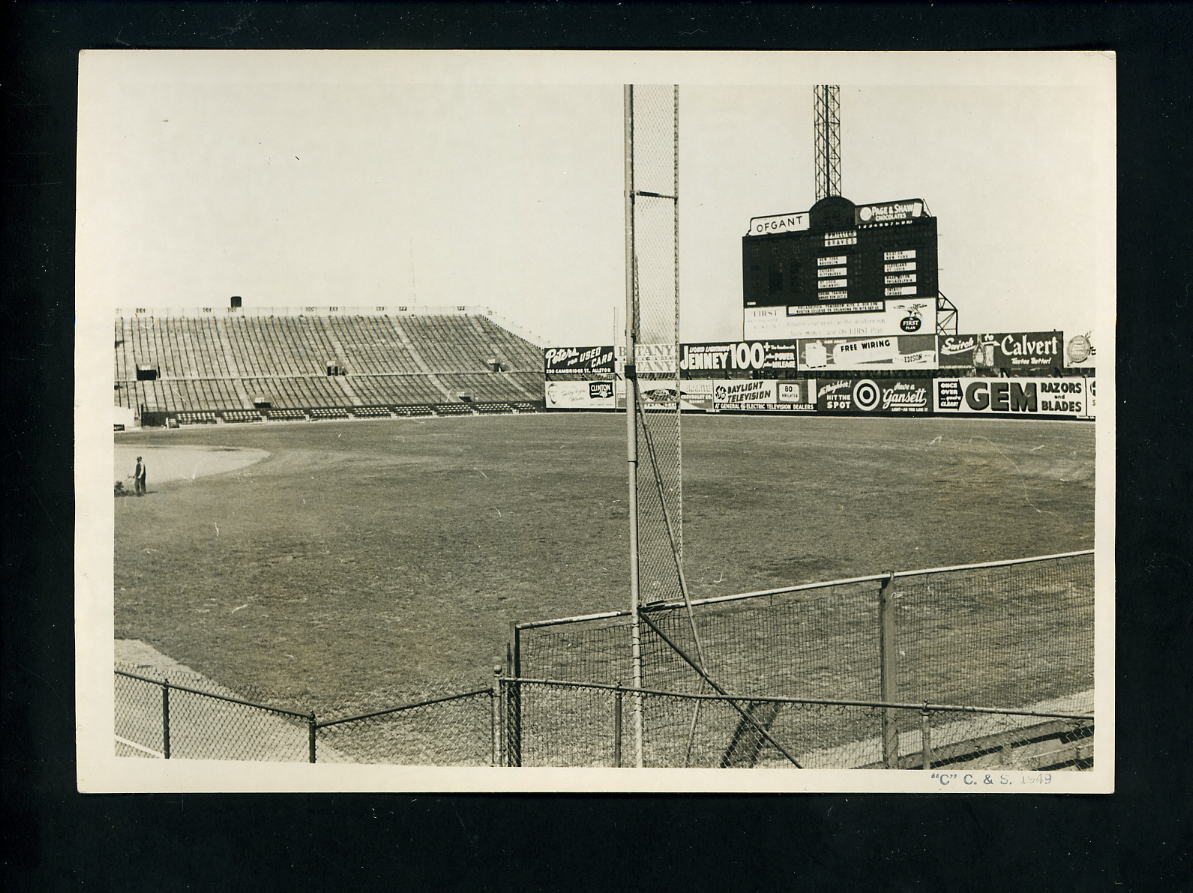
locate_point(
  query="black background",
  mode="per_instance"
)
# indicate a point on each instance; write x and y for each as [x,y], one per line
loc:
[1137,839]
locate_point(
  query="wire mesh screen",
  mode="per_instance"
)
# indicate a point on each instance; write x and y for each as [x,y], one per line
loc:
[138,719]
[575,725]
[1012,636]
[203,727]
[587,651]
[454,731]
[652,131]
[815,643]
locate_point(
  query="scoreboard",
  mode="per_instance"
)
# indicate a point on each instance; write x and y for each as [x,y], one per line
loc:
[839,257]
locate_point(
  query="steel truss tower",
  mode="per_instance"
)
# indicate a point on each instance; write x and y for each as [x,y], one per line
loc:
[828,140]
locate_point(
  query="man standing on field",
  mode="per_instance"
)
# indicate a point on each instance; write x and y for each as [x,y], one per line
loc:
[139,477]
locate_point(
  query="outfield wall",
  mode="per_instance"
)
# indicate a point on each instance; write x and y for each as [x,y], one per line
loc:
[1069,398]
[1000,373]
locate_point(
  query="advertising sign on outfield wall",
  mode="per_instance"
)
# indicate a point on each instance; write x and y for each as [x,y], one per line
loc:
[739,356]
[1091,401]
[580,395]
[913,316]
[763,396]
[864,395]
[696,394]
[798,395]
[652,359]
[1079,350]
[1016,396]
[578,359]
[863,353]
[1029,352]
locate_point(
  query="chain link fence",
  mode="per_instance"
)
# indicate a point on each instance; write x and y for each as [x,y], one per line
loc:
[847,674]
[1010,634]
[163,719]
[455,730]
[575,724]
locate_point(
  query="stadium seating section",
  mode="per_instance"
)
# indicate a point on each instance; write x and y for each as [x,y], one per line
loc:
[246,368]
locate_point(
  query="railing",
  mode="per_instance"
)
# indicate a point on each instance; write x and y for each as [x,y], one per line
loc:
[166,720]
[578,724]
[978,665]
[543,722]
[1013,634]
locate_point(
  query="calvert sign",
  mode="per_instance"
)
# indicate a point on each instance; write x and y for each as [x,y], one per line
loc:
[862,353]
[740,356]
[1012,351]
[863,395]
[578,359]
[912,316]
[1013,396]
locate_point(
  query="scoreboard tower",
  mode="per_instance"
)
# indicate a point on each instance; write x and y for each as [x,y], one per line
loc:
[840,269]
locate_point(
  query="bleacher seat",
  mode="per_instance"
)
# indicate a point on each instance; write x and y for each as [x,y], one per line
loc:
[241,415]
[328,412]
[212,366]
[370,412]
[453,409]
[287,415]
[196,418]
[412,410]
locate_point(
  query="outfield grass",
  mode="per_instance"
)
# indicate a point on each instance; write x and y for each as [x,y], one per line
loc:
[389,557]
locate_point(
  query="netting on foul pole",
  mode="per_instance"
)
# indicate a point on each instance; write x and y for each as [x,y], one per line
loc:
[653,330]
[653,407]
[652,357]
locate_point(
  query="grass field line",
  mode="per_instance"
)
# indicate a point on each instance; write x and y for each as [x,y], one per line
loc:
[148,751]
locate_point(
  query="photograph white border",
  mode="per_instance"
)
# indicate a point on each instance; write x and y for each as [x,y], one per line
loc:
[100,771]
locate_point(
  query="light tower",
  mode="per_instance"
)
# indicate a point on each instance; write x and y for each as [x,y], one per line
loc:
[828,140]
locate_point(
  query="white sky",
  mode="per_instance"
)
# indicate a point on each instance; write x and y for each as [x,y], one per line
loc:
[496,180]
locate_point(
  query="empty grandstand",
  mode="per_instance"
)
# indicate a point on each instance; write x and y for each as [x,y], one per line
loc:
[238,365]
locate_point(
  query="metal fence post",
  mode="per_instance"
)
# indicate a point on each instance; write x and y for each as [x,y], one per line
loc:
[618,698]
[166,718]
[513,722]
[926,736]
[888,649]
[513,699]
[495,716]
[312,730]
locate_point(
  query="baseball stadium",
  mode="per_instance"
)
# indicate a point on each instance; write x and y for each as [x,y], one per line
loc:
[857,535]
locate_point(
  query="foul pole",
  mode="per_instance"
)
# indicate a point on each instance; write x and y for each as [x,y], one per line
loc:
[631,402]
